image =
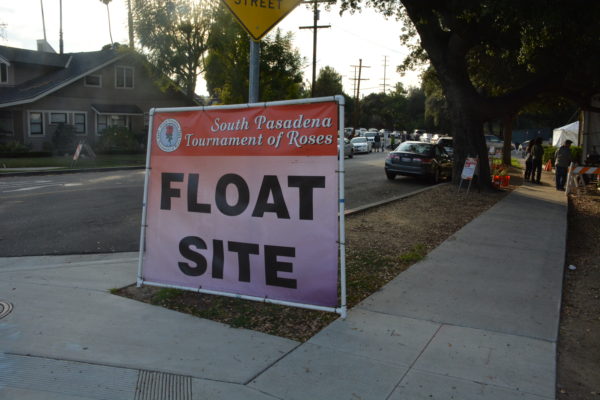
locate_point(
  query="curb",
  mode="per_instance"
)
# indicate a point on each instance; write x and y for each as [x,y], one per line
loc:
[390,200]
[66,171]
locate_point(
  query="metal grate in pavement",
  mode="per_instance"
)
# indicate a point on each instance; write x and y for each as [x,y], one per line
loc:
[163,386]
[5,309]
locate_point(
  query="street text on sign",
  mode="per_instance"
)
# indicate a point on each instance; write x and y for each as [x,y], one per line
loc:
[258,17]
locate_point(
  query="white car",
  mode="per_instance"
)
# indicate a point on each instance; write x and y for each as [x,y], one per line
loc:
[426,137]
[361,145]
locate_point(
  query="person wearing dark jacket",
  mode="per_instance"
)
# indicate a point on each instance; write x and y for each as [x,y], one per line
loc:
[377,143]
[537,154]
[562,160]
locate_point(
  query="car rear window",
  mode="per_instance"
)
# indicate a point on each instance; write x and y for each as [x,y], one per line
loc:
[417,148]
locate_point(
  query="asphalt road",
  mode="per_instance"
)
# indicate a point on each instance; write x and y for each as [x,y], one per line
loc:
[98,212]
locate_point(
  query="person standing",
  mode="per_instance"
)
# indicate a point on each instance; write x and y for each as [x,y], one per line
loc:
[537,154]
[377,140]
[562,160]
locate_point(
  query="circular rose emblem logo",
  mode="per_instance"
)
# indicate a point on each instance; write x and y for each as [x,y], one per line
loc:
[168,135]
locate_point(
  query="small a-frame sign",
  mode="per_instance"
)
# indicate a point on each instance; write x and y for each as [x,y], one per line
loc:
[258,17]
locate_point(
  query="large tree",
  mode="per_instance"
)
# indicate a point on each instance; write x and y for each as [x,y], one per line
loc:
[328,83]
[174,35]
[544,46]
[227,63]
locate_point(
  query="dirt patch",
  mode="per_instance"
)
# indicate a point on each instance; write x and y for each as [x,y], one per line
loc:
[381,243]
[579,338]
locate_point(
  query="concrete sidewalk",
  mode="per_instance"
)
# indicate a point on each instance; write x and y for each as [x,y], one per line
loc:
[477,319]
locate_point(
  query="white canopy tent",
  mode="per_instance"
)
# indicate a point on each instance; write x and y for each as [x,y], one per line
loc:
[564,133]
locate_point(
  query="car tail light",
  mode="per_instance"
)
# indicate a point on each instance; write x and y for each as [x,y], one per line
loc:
[392,156]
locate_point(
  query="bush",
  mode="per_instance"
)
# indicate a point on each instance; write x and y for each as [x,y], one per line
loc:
[64,139]
[117,140]
[550,151]
[13,148]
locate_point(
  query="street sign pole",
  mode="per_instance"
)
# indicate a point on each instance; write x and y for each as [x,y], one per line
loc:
[258,18]
[253,87]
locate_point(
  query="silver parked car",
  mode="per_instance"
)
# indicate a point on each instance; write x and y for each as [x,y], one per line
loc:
[361,145]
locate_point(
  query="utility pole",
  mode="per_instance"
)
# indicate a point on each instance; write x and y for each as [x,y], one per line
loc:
[384,73]
[43,20]
[357,98]
[314,27]
[61,32]
[354,80]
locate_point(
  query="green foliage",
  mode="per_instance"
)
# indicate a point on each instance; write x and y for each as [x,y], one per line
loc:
[64,139]
[417,253]
[117,139]
[13,148]
[174,34]
[227,63]
[328,83]
[165,295]
[436,106]
[396,110]
[550,152]
[577,154]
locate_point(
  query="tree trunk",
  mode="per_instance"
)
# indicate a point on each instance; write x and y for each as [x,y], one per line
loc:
[467,130]
[507,126]
[109,27]
[130,24]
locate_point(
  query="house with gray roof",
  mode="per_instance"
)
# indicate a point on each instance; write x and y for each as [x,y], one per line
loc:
[91,91]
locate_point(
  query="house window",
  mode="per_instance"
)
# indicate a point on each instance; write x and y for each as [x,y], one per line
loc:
[6,123]
[36,123]
[124,77]
[93,81]
[107,121]
[3,73]
[101,123]
[79,123]
[58,118]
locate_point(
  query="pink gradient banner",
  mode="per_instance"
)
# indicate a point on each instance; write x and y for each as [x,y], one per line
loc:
[262,226]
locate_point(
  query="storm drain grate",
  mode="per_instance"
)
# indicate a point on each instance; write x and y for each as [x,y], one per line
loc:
[5,309]
[162,386]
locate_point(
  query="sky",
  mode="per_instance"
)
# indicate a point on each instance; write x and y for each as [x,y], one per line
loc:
[367,36]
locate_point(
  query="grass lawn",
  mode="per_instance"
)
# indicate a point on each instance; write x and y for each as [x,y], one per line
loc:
[102,160]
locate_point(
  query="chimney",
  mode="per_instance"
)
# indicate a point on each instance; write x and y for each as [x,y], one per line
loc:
[43,45]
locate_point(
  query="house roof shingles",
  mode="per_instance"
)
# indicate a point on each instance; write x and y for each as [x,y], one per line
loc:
[80,64]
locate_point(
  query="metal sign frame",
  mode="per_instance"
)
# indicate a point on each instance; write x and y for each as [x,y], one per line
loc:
[342,303]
